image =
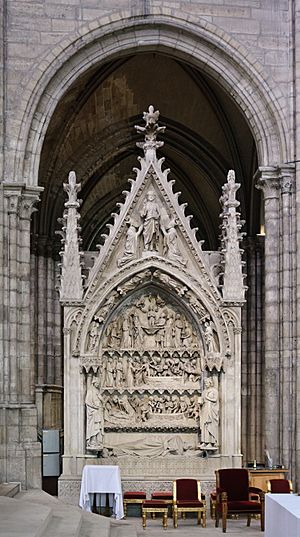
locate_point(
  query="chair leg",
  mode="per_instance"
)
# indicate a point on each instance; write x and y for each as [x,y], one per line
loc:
[217,519]
[175,517]
[248,520]
[144,516]
[165,521]
[199,517]
[125,510]
[262,520]
[224,517]
[203,519]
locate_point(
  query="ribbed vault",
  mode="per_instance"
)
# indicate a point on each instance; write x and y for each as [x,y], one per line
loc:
[92,132]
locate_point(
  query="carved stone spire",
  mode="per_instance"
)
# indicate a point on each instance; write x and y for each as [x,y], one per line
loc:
[233,286]
[151,130]
[71,288]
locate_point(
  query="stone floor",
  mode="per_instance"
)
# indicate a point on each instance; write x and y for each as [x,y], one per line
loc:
[189,528]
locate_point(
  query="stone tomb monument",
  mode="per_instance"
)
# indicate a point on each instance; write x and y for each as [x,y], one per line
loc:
[152,336]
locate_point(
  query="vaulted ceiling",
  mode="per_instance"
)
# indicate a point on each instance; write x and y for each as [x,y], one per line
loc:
[92,132]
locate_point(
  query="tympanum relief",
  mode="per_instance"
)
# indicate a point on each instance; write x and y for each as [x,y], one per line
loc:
[150,324]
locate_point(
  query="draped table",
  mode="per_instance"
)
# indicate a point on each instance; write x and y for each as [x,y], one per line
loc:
[101,480]
[282,515]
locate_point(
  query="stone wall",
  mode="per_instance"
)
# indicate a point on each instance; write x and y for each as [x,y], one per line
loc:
[44,43]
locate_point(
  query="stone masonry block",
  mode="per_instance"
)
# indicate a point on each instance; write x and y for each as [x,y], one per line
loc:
[238,25]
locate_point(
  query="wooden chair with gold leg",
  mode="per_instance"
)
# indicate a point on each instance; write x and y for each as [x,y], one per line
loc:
[234,496]
[187,498]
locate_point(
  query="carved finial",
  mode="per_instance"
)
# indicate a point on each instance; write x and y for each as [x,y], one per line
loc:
[71,287]
[72,188]
[151,130]
[233,286]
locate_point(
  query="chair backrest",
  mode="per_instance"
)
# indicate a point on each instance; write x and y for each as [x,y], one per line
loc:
[280,486]
[234,481]
[186,489]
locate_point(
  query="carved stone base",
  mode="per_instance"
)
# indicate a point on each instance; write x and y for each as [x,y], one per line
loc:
[148,475]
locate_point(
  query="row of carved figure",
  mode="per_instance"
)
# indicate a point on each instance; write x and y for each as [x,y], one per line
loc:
[137,410]
[157,229]
[142,370]
[142,409]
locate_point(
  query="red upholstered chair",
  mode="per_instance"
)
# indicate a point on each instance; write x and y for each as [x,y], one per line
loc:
[233,496]
[187,498]
[280,486]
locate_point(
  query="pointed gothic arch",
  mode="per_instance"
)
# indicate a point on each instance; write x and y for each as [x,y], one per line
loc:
[194,40]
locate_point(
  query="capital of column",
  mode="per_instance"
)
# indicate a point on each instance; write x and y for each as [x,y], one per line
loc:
[287,178]
[21,199]
[267,180]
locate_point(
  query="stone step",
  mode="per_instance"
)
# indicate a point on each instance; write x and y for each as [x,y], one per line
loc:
[21,519]
[66,521]
[35,513]
[10,489]
[123,529]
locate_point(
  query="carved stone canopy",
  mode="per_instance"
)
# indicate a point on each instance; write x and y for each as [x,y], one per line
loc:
[152,332]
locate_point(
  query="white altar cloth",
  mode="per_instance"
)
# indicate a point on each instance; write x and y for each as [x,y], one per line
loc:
[101,479]
[282,515]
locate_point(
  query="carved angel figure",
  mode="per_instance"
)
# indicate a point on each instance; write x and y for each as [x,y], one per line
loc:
[171,249]
[131,243]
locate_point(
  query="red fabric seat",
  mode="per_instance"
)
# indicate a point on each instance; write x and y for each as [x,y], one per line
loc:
[156,504]
[244,506]
[162,495]
[189,503]
[138,494]
[234,496]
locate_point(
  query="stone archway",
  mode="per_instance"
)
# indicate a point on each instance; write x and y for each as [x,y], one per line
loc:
[197,42]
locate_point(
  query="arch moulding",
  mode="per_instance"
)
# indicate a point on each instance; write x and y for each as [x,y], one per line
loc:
[190,39]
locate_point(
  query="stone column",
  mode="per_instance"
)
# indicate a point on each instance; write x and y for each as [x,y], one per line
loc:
[287,329]
[296,132]
[268,182]
[20,453]
[252,443]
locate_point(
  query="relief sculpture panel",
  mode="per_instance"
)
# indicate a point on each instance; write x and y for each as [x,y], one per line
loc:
[150,323]
[149,374]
